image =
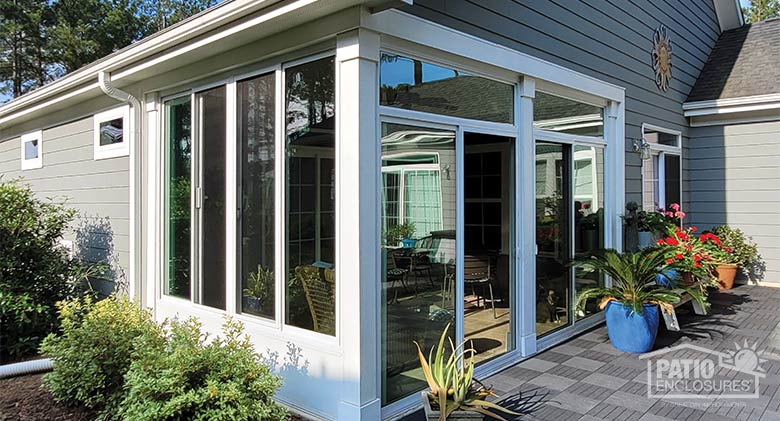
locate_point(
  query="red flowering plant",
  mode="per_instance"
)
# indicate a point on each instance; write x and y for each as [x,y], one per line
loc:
[691,254]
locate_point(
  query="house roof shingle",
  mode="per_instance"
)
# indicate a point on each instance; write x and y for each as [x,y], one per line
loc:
[744,62]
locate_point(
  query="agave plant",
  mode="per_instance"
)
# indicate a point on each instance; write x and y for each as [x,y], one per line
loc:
[451,380]
[634,280]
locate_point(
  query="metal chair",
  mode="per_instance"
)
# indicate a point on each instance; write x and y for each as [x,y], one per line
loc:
[394,274]
[476,273]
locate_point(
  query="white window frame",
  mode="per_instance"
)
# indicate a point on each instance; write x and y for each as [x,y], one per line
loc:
[117,149]
[33,163]
[661,151]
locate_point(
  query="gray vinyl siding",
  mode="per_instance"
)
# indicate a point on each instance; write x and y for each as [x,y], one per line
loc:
[607,39]
[98,190]
[734,178]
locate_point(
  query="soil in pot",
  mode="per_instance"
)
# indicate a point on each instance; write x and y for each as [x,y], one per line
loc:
[726,275]
[629,331]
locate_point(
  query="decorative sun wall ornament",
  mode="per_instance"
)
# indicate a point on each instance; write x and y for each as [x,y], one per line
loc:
[662,58]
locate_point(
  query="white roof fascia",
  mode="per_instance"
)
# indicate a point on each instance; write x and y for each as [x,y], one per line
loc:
[731,105]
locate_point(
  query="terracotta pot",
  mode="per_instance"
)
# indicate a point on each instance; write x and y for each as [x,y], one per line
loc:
[726,275]
[687,279]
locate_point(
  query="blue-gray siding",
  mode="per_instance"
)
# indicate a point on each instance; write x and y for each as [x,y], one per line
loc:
[734,178]
[607,39]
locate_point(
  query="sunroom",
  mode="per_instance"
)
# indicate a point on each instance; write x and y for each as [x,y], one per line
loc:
[362,188]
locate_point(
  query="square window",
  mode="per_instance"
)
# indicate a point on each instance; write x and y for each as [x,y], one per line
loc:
[112,133]
[32,150]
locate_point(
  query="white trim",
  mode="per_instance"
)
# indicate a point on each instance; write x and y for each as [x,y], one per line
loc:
[32,163]
[732,105]
[432,35]
[729,13]
[117,149]
[571,139]
[661,151]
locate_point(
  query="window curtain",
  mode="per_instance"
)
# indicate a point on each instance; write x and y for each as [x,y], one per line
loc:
[422,201]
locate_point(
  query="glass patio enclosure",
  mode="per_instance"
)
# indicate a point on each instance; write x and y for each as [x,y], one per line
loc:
[346,203]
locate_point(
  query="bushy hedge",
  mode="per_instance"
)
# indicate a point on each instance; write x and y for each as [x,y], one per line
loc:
[195,378]
[111,355]
[35,272]
[94,350]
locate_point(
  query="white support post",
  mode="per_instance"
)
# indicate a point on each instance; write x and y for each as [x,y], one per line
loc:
[151,245]
[357,226]
[526,216]
[615,156]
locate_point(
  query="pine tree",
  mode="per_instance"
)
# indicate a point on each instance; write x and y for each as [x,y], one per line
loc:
[761,10]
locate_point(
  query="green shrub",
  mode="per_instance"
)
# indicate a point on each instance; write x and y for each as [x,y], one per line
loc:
[95,349]
[744,250]
[35,272]
[196,378]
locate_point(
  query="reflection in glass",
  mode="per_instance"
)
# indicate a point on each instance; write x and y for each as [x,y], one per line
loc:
[416,85]
[552,237]
[418,249]
[488,222]
[31,149]
[178,168]
[650,190]
[212,121]
[588,216]
[111,132]
[310,192]
[256,196]
[564,115]
[671,179]
[660,138]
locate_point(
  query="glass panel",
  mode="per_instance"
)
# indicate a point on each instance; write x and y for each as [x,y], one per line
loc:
[661,138]
[588,216]
[650,190]
[672,179]
[489,222]
[311,196]
[212,128]
[111,132]
[552,237]
[178,196]
[256,114]
[416,85]
[418,283]
[567,116]
[31,149]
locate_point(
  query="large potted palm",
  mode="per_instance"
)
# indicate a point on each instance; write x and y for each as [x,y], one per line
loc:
[634,299]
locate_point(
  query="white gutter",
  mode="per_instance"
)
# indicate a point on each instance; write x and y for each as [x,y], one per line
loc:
[199,24]
[104,81]
[731,105]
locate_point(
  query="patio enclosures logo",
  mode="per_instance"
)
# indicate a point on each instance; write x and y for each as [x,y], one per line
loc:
[694,372]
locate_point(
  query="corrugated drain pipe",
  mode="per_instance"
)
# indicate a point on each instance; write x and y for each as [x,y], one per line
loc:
[26,367]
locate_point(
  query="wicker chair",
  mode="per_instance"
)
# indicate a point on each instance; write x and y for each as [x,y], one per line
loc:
[320,288]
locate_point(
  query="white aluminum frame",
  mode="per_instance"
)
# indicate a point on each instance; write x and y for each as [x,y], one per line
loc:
[118,149]
[661,151]
[32,163]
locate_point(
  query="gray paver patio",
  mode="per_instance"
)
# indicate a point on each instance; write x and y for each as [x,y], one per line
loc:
[586,379]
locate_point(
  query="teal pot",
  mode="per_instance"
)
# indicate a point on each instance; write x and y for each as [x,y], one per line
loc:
[408,243]
[629,331]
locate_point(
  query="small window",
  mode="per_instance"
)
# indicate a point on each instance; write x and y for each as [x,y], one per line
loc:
[32,150]
[112,133]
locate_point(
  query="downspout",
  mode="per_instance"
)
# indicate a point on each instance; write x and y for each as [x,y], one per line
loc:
[104,81]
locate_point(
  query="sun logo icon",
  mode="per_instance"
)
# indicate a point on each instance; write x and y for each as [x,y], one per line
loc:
[745,358]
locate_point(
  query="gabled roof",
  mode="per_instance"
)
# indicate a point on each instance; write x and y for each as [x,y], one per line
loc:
[745,62]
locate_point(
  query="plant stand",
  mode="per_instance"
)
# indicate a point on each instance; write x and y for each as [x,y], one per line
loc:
[433,415]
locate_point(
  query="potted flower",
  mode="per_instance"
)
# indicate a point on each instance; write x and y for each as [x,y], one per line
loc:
[692,255]
[632,302]
[740,252]
[401,233]
[454,393]
[257,289]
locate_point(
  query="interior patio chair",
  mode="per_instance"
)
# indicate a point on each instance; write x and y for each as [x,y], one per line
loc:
[319,287]
[476,273]
[394,275]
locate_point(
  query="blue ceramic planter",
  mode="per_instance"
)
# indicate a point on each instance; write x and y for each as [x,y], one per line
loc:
[632,332]
[668,278]
[408,243]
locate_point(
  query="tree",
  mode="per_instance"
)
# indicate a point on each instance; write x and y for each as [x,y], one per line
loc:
[41,40]
[761,10]
[24,54]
